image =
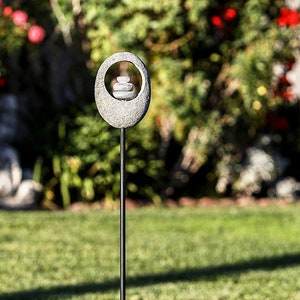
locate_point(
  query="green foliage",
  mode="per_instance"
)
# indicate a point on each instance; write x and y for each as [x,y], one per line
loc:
[211,86]
[213,90]
[12,38]
[211,72]
[87,167]
[14,35]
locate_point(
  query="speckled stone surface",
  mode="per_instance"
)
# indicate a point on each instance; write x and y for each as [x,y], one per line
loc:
[122,113]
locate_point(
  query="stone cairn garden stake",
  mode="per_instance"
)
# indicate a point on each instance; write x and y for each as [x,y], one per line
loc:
[123,109]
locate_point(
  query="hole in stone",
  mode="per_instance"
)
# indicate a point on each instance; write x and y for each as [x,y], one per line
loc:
[123,68]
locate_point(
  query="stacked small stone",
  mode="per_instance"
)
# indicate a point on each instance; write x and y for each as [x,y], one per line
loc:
[123,89]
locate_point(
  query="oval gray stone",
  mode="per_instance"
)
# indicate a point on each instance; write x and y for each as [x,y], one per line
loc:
[121,113]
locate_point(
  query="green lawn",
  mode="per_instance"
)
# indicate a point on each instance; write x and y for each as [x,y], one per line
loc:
[186,253]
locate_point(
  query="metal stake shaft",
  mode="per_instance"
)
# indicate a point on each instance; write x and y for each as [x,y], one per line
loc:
[122,215]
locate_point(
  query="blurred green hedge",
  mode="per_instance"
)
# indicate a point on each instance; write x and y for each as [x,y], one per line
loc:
[215,83]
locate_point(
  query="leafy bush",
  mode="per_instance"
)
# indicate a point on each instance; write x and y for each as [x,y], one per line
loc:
[88,165]
[212,67]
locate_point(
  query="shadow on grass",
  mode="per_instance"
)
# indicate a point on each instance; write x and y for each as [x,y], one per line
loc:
[193,274]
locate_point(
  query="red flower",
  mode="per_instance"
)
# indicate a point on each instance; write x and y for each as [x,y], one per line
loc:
[19,17]
[7,11]
[2,82]
[288,17]
[230,14]
[36,34]
[277,123]
[293,18]
[288,95]
[284,80]
[288,65]
[283,18]
[217,22]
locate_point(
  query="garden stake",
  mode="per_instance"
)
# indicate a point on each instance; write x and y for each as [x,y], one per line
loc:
[123,215]
[123,109]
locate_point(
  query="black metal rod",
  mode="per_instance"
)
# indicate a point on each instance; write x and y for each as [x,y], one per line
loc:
[123,214]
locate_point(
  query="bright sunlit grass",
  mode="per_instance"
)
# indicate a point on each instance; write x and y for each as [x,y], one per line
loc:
[187,253]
